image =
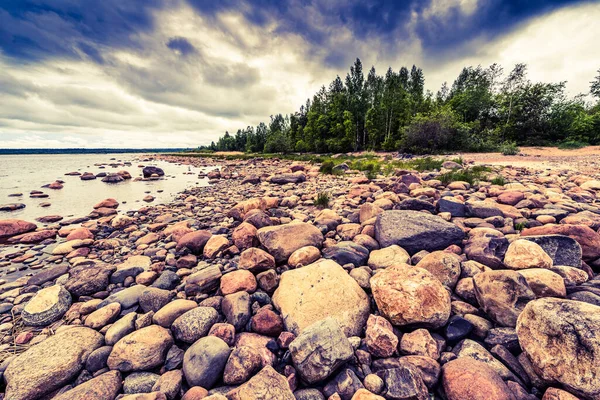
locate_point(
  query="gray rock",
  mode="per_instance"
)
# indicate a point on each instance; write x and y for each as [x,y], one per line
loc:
[415,231]
[282,179]
[167,280]
[236,308]
[345,384]
[120,329]
[47,306]
[204,361]
[482,209]
[97,359]
[347,253]
[48,274]
[153,299]
[403,383]
[454,206]
[85,280]
[308,394]
[320,349]
[133,266]
[139,382]
[151,170]
[194,324]
[415,205]
[562,249]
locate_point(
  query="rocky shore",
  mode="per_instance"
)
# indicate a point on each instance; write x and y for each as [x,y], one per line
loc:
[279,282]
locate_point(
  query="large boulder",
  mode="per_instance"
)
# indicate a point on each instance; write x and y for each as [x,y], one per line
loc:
[323,289]
[13,227]
[50,364]
[141,350]
[415,231]
[502,294]
[523,254]
[563,250]
[47,306]
[320,349]
[584,235]
[151,170]
[282,240]
[561,338]
[408,295]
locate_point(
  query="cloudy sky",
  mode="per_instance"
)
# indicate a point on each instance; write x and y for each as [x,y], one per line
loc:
[178,73]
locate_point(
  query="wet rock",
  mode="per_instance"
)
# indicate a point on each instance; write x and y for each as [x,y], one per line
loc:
[13,227]
[320,349]
[415,231]
[47,306]
[411,296]
[323,289]
[51,363]
[152,170]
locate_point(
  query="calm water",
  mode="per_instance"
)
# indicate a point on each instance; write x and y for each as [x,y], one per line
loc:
[24,173]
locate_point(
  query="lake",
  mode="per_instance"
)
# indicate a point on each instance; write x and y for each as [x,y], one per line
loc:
[24,173]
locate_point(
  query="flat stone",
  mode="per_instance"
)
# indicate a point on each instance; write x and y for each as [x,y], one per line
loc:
[47,306]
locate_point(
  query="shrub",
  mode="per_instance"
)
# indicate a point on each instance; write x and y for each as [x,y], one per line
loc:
[434,133]
[509,149]
[572,145]
[327,167]
[499,180]
[470,175]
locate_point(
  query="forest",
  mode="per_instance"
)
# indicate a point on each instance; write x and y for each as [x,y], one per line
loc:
[485,109]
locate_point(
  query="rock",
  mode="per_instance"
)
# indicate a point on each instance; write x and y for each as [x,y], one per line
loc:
[379,337]
[444,266]
[347,253]
[267,323]
[12,207]
[408,295]
[133,266]
[403,383]
[487,246]
[151,170]
[344,384]
[171,311]
[320,349]
[256,260]
[203,280]
[316,291]
[103,316]
[561,338]
[204,361]
[419,343]
[466,378]
[544,283]
[113,178]
[153,299]
[194,241]
[48,274]
[472,349]
[102,387]
[214,246]
[267,384]
[139,382]
[415,231]
[34,237]
[304,256]
[584,235]
[483,209]
[126,298]
[141,350]
[51,363]
[522,254]
[502,295]
[194,324]
[364,394]
[244,236]
[557,394]
[243,362]
[47,306]
[282,179]
[387,257]
[107,203]
[169,383]
[282,240]
[563,250]
[120,329]
[85,280]
[13,227]
[236,308]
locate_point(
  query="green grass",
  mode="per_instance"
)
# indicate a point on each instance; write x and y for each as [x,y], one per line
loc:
[471,175]
[572,145]
[520,226]
[499,180]
[322,200]
[509,149]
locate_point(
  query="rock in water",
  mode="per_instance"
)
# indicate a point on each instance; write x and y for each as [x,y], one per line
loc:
[50,364]
[47,306]
[282,240]
[204,361]
[13,227]
[141,350]
[150,170]
[467,378]
[561,338]
[267,384]
[415,231]
[411,296]
[320,349]
[323,289]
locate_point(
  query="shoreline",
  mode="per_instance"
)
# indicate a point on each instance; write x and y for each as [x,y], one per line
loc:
[235,265]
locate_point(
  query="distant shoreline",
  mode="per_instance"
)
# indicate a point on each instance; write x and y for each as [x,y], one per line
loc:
[89,151]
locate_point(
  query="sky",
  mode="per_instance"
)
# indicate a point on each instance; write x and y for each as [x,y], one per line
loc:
[179,73]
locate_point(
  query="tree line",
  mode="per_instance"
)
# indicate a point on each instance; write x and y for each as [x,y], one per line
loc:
[484,110]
